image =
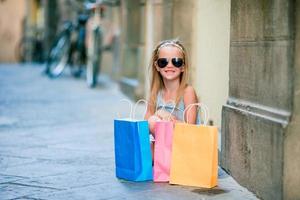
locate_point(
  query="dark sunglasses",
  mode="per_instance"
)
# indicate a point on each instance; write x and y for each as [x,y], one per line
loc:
[163,62]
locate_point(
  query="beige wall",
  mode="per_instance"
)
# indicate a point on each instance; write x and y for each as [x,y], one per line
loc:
[210,54]
[11,15]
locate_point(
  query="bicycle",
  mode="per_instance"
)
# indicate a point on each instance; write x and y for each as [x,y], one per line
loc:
[69,49]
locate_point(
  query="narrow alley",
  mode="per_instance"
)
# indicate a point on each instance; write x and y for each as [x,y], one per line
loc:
[56,142]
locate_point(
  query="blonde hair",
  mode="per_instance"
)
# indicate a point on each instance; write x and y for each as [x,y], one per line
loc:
[157,83]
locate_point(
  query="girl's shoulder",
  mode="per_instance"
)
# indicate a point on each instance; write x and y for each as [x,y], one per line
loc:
[189,90]
[189,95]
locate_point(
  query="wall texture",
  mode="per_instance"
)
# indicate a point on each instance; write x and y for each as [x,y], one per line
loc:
[260,122]
[292,144]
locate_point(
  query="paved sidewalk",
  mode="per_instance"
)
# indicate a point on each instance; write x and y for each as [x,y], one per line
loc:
[56,142]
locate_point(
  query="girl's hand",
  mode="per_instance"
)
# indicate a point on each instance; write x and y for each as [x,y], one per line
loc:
[152,120]
[164,115]
[175,120]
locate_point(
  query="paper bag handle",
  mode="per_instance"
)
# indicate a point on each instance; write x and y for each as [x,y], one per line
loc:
[202,106]
[137,103]
[133,108]
[130,104]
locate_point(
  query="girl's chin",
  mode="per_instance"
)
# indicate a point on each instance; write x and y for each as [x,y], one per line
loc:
[170,74]
[171,77]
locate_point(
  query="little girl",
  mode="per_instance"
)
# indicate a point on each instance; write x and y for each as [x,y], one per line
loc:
[170,71]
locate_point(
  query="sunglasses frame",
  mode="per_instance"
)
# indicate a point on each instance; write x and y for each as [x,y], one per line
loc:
[173,60]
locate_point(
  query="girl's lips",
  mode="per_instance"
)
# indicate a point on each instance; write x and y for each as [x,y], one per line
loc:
[167,71]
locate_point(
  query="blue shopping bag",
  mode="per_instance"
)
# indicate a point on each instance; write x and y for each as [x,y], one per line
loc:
[133,159]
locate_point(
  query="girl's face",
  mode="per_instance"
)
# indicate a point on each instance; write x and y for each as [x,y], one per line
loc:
[167,57]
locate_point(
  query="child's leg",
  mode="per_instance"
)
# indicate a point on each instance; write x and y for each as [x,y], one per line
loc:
[152,120]
[152,150]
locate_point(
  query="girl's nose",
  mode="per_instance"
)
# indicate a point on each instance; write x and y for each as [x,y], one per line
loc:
[170,64]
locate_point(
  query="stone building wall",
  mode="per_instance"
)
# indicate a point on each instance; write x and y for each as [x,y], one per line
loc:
[260,122]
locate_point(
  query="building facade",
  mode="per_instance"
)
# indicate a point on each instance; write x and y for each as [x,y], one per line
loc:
[244,67]
[260,122]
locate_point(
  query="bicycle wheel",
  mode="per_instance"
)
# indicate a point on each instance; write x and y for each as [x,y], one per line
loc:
[58,57]
[94,58]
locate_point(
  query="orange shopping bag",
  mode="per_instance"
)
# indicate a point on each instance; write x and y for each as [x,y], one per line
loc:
[194,160]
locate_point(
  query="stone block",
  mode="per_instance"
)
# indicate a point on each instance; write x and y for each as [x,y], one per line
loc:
[261,20]
[128,86]
[261,72]
[252,151]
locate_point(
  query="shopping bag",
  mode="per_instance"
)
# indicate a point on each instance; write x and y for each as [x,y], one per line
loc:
[163,149]
[133,159]
[194,159]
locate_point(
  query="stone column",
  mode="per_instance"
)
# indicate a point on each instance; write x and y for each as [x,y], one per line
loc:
[291,171]
[260,140]
[131,47]
[149,45]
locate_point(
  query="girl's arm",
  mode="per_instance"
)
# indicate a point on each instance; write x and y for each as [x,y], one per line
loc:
[190,97]
[151,118]
[149,111]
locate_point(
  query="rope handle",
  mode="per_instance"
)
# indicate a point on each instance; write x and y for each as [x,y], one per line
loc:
[136,104]
[202,106]
[133,108]
[130,104]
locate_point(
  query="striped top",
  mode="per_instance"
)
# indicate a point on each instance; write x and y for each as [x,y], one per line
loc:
[169,106]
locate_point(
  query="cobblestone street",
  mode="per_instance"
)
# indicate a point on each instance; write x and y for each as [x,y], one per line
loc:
[56,142]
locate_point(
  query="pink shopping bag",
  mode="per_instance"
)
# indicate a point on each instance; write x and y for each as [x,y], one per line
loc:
[163,146]
[162,151]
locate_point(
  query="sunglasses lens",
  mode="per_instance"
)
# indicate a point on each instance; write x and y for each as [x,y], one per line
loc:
[177,62]
[162,62]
